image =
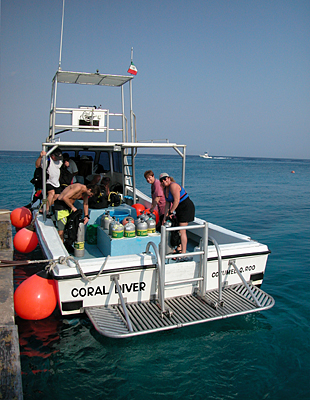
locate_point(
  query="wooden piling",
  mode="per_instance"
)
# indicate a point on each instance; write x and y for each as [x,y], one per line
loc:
[10,371]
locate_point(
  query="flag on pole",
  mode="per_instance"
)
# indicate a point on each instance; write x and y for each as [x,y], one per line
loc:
[132,69]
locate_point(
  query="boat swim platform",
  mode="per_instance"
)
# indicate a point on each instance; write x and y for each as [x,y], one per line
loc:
[146,317]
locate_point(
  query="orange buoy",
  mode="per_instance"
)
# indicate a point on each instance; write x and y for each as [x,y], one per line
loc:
[36,297]
[21,217]
[139,208]
[293,172]
[25,240]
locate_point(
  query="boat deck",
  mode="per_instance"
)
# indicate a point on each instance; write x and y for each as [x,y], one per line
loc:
[146,317]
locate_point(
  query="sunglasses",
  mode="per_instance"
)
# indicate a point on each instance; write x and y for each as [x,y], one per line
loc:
[163,179]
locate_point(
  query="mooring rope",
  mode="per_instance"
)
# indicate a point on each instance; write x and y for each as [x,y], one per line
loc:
[64,260]
[44,201]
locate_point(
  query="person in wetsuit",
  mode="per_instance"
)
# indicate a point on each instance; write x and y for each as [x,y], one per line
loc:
[178,201]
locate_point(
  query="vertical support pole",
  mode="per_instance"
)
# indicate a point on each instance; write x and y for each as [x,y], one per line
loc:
[219,257]
[61,33]
[183,166]
[124,172]
[44,182]
[123,113]
[163,266]
[204,260]
[53,110]
[131,111]
[108,126]
[133,174]
[50,128]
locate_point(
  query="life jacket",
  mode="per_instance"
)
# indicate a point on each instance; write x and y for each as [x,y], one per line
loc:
[114,199]
[37,177]
[97,202]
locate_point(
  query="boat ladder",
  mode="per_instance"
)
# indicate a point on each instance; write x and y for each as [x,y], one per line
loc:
[126,320]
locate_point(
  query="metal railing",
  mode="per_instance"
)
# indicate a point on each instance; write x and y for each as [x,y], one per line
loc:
[115,278]
[202,278]
[231,262]
[102,113]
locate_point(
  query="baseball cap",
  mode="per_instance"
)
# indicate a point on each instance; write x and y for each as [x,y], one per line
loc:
[57,153]
[163,175]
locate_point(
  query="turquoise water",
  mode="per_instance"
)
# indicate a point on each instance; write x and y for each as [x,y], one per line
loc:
[258,356]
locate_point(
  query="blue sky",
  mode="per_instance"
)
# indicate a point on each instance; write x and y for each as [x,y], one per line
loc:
[223,76]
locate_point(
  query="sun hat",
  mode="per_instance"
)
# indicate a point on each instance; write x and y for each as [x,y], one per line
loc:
[163,175]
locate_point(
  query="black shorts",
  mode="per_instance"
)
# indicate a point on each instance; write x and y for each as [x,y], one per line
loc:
[185,211]
[49,187]
[61,205]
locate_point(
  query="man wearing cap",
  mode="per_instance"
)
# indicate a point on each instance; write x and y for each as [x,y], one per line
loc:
[53,188]
[158,198]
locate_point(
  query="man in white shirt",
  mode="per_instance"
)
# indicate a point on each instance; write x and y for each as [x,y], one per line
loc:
[52,183]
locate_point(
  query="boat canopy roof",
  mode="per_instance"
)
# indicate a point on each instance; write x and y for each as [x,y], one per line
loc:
[116,145]
[86,78]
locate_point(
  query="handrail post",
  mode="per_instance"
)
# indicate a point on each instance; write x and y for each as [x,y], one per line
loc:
[204,260]
[115,278]
[163,265]
[161,298]
[219,257]
[231,262]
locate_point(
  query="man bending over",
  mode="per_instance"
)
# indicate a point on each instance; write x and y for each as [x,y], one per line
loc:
[64,205]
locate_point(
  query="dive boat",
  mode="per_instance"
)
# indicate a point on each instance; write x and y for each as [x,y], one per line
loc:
[205,155]
[131,285]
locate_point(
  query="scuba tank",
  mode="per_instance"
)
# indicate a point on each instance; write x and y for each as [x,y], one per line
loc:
[144,216]
[79,244]
[113,221]
[129,230]
[152,215]
[169,249]
[141,227]
[117,230]
[151,226]
[106,220]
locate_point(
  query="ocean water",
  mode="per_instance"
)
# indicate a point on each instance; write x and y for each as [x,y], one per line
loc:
[259,356]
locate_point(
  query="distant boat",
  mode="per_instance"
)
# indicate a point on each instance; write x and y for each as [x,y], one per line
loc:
[206,155]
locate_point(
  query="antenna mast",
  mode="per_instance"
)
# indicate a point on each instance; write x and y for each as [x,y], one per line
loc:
[61,34]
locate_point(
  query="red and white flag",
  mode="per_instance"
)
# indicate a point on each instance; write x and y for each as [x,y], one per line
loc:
[132,69]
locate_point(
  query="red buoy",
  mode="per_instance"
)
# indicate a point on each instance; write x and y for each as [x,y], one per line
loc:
[21,217]
[25,240]
[139,208]
[36,297]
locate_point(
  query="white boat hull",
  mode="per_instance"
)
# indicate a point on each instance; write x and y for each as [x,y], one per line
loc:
[138,275]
